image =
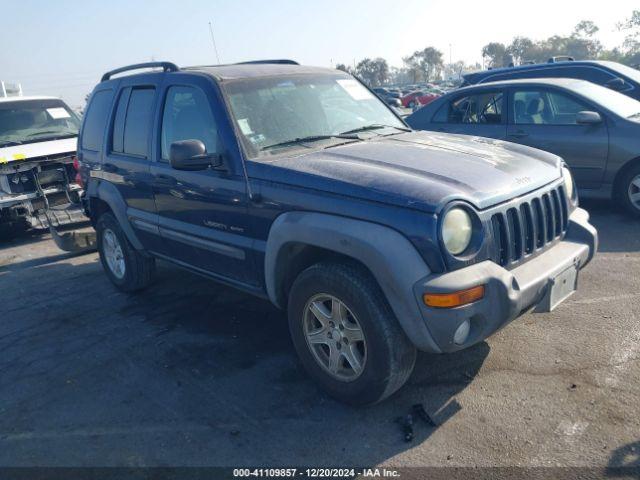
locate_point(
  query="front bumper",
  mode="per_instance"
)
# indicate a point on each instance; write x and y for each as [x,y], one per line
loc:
[32,208]
[508,293]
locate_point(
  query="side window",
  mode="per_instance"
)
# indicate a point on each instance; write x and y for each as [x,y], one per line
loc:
[137,124]
[187,116]
[117,142]
[533,107]
[95,120]
[484,108]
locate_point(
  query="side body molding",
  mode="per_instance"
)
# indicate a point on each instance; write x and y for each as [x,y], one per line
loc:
[391,258]
[109,194]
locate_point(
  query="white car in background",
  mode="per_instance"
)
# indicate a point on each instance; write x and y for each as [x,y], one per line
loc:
[39,185]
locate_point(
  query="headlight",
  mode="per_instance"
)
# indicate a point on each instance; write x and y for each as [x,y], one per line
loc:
[568,183]
[456,231]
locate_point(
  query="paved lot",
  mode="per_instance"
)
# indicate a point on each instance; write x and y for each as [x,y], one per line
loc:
[192,373]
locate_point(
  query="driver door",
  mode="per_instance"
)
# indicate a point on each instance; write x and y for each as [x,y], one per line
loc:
[202,215]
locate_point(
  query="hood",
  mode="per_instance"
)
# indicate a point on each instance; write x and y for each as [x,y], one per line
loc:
[37,149]
[423,170]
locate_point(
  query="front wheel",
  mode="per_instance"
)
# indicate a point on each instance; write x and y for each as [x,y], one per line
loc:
[629,191]
[346,335]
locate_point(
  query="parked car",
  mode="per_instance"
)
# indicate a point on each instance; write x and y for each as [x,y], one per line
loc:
[613,75]
[297,184]
[38,181]
[595,130]
[416,98]
[387,96]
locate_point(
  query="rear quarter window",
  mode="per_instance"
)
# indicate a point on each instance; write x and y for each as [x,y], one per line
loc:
[95,120]
[137,125]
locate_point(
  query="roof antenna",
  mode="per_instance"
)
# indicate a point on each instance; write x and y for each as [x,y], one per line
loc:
[213,40]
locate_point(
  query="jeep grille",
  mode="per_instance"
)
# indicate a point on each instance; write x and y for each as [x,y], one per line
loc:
[529,227]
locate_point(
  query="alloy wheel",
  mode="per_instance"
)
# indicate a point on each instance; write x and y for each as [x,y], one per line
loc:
[634,191]
[113,254]
[335,337]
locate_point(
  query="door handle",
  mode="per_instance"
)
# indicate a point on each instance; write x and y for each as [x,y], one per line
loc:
[519,134]
[110,168]
[165,180]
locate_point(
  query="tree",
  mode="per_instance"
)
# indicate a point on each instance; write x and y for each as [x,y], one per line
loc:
[495,53]
[426,64]
[631,45]
[373,72]
[520,49]
[344,68]
[585,29]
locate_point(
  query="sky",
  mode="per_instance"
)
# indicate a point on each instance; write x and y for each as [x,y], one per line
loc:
[62,47]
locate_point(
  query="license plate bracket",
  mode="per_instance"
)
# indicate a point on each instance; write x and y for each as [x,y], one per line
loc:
[560,287]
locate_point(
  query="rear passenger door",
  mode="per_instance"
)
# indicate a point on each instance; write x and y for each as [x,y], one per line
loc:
[479,113]
[202,214]
[128,153]
[545,118]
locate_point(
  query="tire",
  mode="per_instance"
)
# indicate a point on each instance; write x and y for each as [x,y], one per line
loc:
[385,353]
[628,191]
[136,270]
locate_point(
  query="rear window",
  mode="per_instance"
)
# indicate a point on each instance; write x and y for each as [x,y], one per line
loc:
[96,119]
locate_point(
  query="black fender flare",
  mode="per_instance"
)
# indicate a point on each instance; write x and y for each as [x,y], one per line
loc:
[109,194]
[390,257]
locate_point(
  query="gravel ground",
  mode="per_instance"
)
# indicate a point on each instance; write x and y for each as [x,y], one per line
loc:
[193,373]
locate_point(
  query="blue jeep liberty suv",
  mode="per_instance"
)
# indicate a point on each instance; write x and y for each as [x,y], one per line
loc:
[299,185]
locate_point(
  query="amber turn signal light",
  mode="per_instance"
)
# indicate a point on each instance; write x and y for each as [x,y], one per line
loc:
[455,299]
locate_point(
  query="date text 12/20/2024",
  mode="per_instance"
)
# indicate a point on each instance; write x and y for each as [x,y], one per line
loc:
[315,473]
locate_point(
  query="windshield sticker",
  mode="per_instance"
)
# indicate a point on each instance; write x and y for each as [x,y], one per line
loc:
[243,123]
[58,113]
[356,90]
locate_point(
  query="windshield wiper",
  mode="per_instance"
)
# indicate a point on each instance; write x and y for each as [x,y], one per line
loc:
[10,143]
[61,134]
[310,138]
[375,126]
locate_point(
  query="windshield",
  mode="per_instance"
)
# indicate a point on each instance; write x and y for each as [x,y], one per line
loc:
[281,110]
[29,121]
[616,102]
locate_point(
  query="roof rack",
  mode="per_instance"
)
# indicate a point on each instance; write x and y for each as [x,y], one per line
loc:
[281,61]
[166,66]
[561,58]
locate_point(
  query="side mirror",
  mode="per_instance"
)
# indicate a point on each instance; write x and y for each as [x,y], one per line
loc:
[616,84]
[588,118]
[192,155]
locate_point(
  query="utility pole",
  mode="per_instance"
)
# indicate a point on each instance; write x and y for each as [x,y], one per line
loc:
[213,40]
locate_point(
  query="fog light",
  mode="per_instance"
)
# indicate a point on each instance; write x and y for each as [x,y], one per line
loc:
[462,333]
